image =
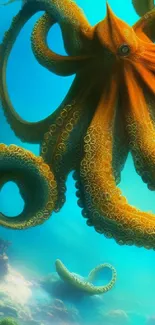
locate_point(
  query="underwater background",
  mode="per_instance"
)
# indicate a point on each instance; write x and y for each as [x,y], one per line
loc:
[35,93]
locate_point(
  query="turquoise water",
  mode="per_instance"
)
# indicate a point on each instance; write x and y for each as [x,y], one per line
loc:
[35,93]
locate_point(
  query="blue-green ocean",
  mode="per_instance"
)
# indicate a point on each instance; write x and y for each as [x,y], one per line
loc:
[35,93]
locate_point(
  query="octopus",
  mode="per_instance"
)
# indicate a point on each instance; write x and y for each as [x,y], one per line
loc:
[107,113]
[86,285]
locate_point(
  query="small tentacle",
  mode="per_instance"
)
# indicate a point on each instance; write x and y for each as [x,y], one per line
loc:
[81,284]
[36,183]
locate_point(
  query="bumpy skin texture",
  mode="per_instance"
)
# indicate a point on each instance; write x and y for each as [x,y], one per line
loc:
[108,112]
[85,285]
[36,183]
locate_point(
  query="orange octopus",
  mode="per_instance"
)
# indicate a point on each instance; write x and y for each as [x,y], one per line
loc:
[108,112]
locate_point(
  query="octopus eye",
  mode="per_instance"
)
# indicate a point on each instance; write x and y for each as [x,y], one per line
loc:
[124,50]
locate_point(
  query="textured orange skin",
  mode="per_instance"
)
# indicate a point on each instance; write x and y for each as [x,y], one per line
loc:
[105,207]
[111,108]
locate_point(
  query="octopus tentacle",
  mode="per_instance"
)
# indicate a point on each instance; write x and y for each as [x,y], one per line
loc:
[143,6]
[149,91]
[85,285]
[140,126]
[56,63]
[31,174]
[62,147]
[105,207]
[120,144]
[76,31]
[36,183]
[145,26]
[95,102]
[43,55]
[75,27]
[93,273]
[31,132]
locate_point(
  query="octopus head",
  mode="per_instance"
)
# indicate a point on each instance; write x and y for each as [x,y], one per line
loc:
[116,35]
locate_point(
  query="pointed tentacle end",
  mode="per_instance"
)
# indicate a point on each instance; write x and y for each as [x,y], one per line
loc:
[36,183]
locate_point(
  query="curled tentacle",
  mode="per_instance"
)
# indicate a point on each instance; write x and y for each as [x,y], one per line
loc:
[84,107]
[76,30]
[93,273]
[32,132]
[58,64]
[27,170]
[85,285]
[36,183]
